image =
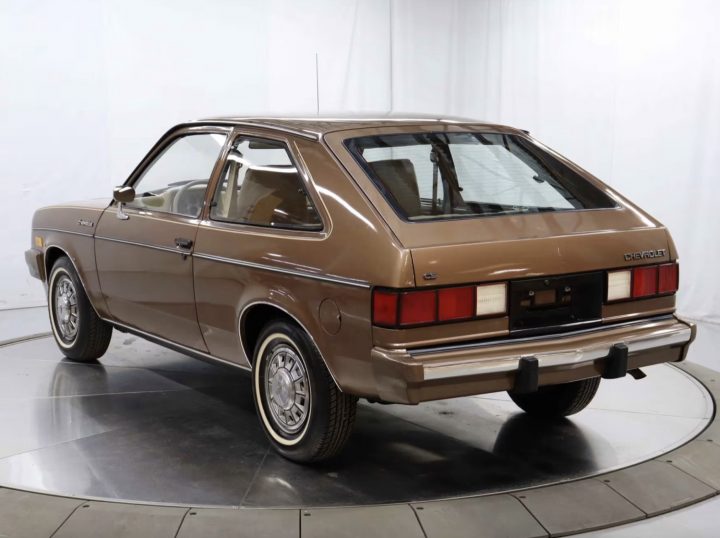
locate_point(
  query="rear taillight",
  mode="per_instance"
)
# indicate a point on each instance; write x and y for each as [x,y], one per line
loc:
[642,282]
[385,308]
[418,307]
[456,303]
[668,278]
[618,285]
[424,307]
[491,299]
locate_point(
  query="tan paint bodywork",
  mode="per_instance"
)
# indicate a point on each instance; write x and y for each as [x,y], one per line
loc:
[135,276]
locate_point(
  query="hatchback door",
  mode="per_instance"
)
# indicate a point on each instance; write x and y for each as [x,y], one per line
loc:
[143,250]
[488,204]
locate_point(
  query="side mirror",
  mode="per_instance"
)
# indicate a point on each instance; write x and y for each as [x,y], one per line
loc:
[123,195]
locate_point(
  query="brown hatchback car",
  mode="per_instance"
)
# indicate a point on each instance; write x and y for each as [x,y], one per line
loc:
[397,259]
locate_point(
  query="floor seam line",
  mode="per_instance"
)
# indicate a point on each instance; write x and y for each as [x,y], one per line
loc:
[252,482]
[182,521]
[99,394]
[531,514]
[417,518]
[672,462]
[22,339]
[51,446]
[607,484]
[67,518]
[649,413]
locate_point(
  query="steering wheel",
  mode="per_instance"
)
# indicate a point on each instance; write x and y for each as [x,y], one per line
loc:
[189,207]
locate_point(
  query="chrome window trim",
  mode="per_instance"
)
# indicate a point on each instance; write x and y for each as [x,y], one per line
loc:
[304,175]
[293,272]
[537,338]
[310,135]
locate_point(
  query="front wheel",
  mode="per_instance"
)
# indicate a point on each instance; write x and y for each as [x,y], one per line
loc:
[304,414]
[79,332]
[554,401]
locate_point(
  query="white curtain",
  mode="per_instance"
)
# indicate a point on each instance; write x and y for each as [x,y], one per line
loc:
[628,89]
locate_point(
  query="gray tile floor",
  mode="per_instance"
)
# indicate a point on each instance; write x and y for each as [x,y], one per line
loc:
[33,515]
[146,424]
[23,322]
[699,520]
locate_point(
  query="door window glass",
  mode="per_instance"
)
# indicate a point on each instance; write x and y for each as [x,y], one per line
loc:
[177,180]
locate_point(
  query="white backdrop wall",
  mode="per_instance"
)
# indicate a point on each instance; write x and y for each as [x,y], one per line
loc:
[628,89]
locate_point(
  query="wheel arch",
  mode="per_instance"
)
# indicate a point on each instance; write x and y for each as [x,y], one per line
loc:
[256,315]
[52,254]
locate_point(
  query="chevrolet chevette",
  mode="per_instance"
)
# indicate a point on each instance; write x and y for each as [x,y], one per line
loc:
[399,260]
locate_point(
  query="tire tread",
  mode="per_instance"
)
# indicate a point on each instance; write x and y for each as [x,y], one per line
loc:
[554,401]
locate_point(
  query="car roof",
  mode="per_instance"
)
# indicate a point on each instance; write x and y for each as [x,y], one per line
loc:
[316,126]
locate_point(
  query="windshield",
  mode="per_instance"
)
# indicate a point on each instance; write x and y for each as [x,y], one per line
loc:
[429,176]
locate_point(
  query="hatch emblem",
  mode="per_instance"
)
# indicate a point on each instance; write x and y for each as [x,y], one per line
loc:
[645,254]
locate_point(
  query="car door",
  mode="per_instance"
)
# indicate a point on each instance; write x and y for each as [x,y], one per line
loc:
[144,248]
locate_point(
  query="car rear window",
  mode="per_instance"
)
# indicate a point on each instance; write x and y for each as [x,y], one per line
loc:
[431,176]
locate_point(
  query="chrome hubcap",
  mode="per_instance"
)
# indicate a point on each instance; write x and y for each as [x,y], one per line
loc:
[66,309]
[287,389]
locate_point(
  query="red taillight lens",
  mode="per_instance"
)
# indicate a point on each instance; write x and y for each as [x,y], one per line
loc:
[456,303]
[385,308]
[644,281]
[418,307]
[668,278]
[400,309]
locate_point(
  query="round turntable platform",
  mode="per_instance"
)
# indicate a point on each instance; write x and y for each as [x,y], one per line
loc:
[150,425]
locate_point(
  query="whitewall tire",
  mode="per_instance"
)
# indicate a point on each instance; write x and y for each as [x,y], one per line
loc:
[302,411]
[79,332]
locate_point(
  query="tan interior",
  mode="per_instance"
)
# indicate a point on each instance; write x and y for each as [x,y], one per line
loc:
[270,197]
[399,175]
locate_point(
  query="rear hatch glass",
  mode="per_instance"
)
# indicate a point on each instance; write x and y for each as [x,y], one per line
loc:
[430,176]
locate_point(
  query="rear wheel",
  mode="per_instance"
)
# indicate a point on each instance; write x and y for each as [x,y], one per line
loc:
[304,414]
[553,401]
[79,333]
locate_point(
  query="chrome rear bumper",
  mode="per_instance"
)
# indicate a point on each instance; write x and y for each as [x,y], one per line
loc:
[411,376]
[678,333]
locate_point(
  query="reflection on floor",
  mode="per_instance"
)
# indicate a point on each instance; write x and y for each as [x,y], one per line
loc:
[148,424]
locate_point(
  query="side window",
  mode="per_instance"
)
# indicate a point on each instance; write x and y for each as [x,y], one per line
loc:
[177,180]
[260,185]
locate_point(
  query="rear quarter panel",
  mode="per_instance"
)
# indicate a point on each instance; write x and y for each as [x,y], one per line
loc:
[355,245]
